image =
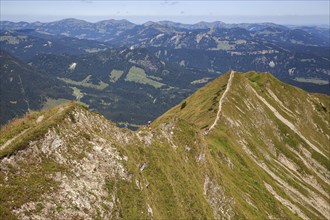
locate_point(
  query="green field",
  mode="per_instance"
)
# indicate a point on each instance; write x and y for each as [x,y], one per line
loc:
[223,45]
[86,83]
[312,80]
[115,75]
[138,75]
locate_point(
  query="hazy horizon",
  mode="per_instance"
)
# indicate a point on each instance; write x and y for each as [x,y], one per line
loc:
[188,12]
[142,20]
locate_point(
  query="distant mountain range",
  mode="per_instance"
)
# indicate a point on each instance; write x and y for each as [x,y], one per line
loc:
[110,29]
[119,68]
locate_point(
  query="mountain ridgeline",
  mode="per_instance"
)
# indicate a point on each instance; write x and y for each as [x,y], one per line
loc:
[299,54]
[244,146]
[121,69]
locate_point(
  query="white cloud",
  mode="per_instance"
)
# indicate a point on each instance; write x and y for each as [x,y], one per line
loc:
[169,3]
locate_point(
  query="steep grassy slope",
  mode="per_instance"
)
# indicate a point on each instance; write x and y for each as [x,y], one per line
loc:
[265,158]
[274,138]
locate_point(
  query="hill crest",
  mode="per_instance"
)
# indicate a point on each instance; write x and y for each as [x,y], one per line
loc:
[250,165]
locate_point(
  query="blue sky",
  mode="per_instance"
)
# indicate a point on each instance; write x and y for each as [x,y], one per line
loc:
[277,11]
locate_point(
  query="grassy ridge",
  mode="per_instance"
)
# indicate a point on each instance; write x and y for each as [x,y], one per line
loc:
[175,171]
[28,128]
[245,118]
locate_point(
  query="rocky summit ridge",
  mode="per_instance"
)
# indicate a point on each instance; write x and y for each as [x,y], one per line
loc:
[245,146]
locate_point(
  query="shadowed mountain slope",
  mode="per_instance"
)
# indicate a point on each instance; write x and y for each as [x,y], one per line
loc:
[122,83]
[24,88]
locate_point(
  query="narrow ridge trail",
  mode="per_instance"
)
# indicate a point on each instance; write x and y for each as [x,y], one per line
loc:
[13,139]
[221,101]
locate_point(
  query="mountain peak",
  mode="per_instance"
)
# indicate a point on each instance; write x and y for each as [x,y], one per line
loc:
[71,21]
[114,21]
[18,133]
